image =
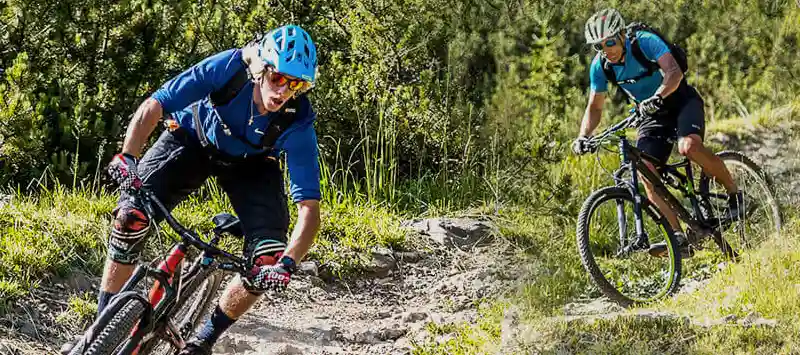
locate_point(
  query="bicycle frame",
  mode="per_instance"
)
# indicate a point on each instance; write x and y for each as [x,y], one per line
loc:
[633,161]
[166,287]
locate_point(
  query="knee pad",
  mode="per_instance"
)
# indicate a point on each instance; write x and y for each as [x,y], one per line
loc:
[262,252]
[128,233]
[266,252]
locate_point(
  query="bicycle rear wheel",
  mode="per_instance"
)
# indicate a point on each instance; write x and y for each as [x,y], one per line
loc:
[606,225]
[199,285]
[762,217]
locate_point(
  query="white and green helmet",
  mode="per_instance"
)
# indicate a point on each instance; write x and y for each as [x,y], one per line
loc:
[603,24]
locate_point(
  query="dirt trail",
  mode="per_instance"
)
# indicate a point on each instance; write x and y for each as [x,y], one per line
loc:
[386,311]
[383,314]
[777,151]
[459,263]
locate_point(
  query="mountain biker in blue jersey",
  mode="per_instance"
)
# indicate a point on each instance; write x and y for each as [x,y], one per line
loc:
[674,108]
[209,135]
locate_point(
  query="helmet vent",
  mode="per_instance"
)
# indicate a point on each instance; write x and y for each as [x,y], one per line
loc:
[290,48]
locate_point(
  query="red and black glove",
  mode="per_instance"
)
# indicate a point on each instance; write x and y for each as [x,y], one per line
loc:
[123,170]
[273,277]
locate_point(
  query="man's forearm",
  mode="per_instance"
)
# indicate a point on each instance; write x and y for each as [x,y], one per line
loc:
[141,126]
[671,82]
[673,75]
[305,230]
[590,121]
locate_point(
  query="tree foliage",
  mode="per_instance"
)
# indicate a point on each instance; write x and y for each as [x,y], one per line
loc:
[459,86]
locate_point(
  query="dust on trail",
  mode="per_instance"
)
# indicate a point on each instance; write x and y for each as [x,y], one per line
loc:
[459,263]
[385,312]
[777,151]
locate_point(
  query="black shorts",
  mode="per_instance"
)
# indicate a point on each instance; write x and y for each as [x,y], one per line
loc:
[657,135]
[176,165]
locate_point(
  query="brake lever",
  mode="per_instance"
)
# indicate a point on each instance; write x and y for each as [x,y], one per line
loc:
[638,118]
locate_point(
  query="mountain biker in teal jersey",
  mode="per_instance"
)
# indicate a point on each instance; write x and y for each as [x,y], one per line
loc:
[674,108]
[216,127]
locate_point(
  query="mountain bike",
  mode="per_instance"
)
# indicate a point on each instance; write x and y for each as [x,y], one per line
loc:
[618,224]
[178,298]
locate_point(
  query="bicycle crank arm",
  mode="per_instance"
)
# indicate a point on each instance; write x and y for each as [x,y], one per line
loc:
[175,335]
[642,242]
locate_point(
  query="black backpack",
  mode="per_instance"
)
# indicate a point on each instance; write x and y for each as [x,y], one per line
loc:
[652,66]
[276,127]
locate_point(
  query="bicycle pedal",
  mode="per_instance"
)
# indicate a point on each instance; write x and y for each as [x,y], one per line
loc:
[632,248]
[696,237]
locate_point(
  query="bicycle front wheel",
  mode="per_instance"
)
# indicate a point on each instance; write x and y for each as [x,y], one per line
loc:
[605,234]
[116,331]
[199,286]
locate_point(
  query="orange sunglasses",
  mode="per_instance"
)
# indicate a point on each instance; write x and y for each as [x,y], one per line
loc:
[280,80]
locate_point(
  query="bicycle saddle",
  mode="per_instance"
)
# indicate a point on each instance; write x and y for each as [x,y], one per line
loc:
[227,223]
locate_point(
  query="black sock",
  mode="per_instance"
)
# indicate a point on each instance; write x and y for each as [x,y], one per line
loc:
[215,326]
[102,300]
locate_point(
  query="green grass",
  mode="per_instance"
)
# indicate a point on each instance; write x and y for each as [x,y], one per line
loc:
[466,339]
[766,117]
[81,308]
[45,236]
[350,232]
[766,281]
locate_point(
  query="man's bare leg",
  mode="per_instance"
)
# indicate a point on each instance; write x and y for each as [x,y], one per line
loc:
[692,147]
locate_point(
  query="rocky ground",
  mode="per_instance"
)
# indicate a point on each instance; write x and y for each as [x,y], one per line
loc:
[777,151]
[386,311]
[383,312]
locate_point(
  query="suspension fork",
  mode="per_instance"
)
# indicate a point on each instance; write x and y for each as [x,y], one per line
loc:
[164,274]
[622,221]
[642,239]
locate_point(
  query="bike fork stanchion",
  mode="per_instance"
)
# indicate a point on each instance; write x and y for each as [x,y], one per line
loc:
[623,224]
[641,238]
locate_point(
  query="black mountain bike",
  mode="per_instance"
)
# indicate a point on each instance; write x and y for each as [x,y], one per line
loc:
[178,299]
[618,224]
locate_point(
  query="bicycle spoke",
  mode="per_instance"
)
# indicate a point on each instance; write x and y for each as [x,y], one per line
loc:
[632,275]
[761,218]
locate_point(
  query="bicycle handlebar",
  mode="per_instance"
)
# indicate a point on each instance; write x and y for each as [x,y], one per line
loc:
[632,120]
[188,236]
